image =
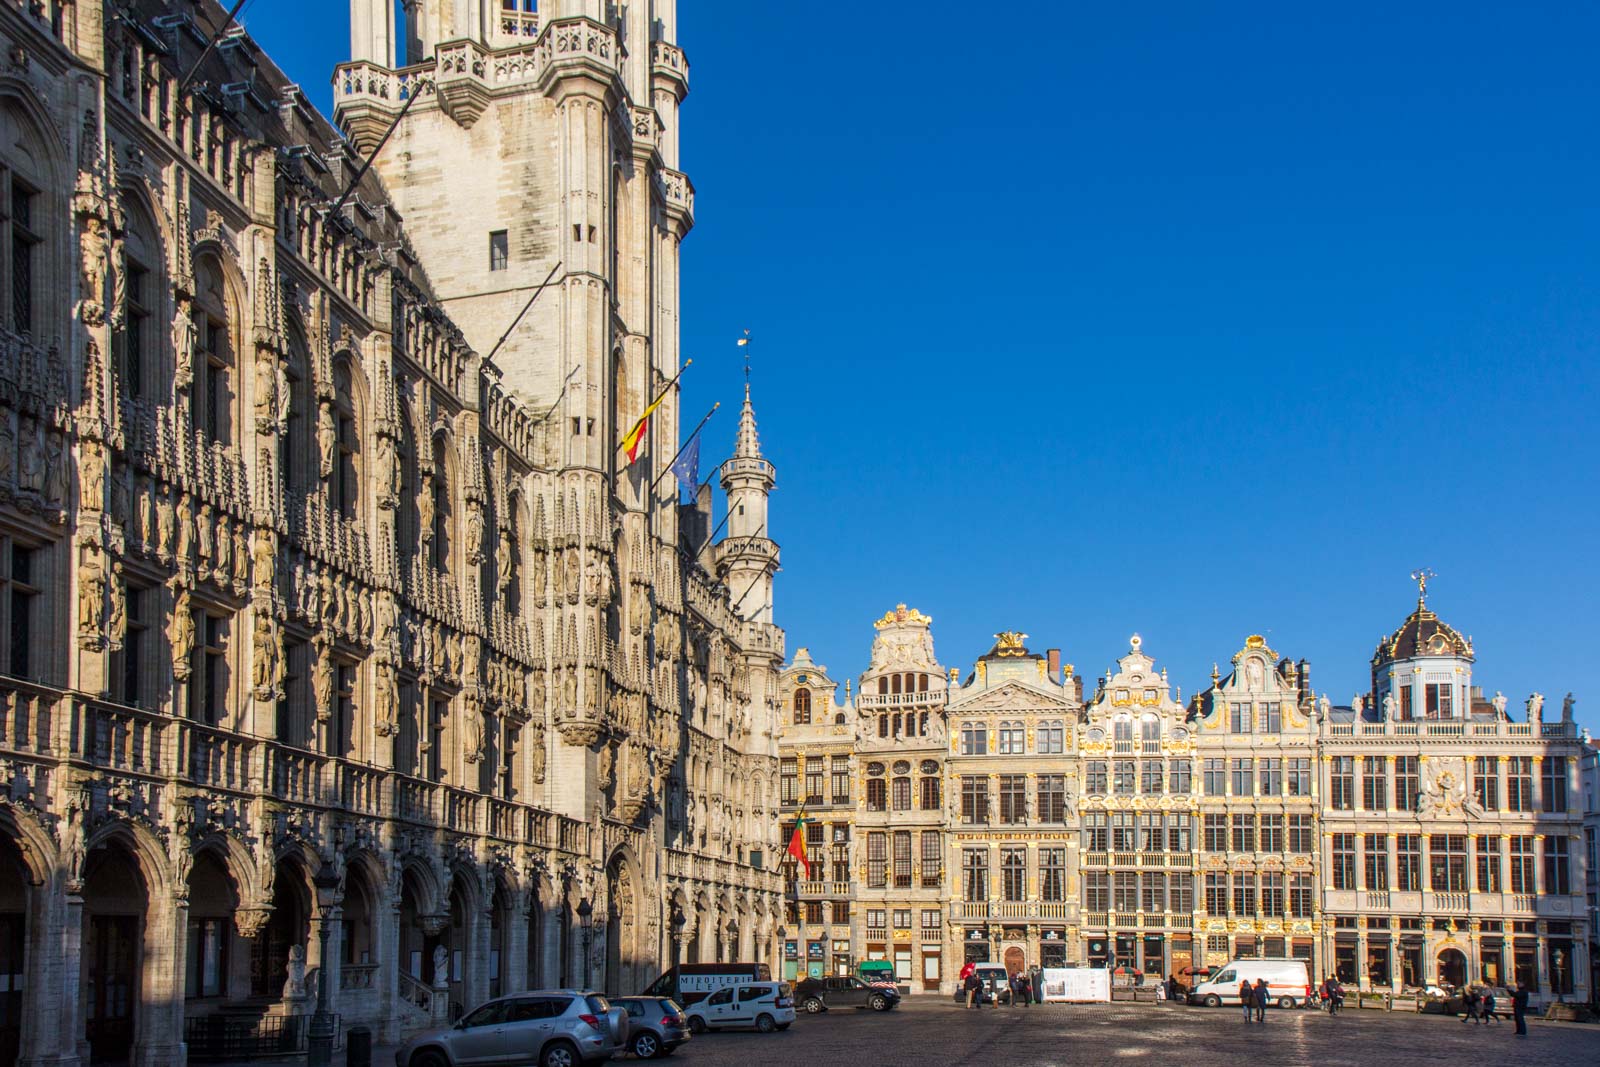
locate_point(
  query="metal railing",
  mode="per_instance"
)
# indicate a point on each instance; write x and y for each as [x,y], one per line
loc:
[223,1037]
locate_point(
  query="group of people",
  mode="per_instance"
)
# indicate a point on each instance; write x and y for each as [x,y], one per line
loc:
[1253,998]
[1331,994]
[1019,984]
[1482,1007]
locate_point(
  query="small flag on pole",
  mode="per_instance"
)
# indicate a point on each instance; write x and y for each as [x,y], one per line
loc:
[687,468]
[635,437]
[797,844]
[630,443]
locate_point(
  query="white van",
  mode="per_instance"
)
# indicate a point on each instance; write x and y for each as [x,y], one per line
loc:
[1288,983]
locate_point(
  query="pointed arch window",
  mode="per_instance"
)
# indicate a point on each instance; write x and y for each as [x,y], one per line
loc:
[443,520]
[24,175]
[134,345]
[345,487]
[213,394]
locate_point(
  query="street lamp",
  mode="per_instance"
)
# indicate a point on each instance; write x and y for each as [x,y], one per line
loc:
[586,921]
[319,1038]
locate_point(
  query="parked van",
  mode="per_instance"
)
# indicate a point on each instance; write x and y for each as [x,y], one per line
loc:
[1288,983]
[690,983]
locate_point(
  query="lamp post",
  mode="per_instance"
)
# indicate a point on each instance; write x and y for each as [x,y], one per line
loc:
[586,921]
[319,1038]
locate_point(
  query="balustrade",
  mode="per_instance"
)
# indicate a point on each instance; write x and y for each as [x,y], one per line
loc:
[357,975]
[361,788]
[26,715]
[118,738]
[218,759]
[295,774]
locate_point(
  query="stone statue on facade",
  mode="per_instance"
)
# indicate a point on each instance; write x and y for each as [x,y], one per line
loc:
[294,988]
[1499,703]
[327,436]
[441,967]
[180,634]
[1566,708]
[1536,707]
[264,654]
[30,474]
[183,343]
[91,594]
[536,752]
[117,618]
[1388,706]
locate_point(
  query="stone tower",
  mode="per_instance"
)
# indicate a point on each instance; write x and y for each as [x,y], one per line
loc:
[539,138]
[747,558]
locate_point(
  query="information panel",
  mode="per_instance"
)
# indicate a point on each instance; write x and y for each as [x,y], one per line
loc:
[1077,985]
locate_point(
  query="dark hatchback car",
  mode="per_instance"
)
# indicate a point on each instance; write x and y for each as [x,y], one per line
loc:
[843,991]
[656,1025]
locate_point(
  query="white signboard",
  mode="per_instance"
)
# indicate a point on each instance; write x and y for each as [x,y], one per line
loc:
[1077,985]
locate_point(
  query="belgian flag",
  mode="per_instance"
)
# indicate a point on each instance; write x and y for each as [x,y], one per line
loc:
[797,844]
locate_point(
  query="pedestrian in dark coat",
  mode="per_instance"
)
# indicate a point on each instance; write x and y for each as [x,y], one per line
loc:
[1260,992]
[1247,999]
[1519,1008]
[974,990]
[1472,1008]
[1488,1007]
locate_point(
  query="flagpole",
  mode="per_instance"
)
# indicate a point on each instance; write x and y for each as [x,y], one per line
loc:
[524,311]
[659,397]
[685,445]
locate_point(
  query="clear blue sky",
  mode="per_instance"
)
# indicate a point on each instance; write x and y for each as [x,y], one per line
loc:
[1192,319]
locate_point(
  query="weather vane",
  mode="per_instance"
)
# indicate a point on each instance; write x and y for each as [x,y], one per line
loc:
[744,343]
[1422,576]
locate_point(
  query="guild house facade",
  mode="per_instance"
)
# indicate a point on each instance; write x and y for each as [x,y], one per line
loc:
[1420,835]
[341,648]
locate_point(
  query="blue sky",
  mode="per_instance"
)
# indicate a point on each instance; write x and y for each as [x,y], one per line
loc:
[1195,320]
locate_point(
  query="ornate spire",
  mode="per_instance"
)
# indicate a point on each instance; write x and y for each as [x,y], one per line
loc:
[749,444]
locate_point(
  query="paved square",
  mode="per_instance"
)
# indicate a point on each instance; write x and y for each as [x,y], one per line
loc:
[937,1033]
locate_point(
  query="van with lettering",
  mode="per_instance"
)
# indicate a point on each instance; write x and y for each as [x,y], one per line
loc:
[689,983]
[1288,983]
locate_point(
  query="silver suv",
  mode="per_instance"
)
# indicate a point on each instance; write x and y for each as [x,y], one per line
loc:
[550,1027]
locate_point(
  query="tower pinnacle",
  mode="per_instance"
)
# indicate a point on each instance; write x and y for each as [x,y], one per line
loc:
[749,443]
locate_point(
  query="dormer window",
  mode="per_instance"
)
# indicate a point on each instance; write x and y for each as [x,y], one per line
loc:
[1440,698]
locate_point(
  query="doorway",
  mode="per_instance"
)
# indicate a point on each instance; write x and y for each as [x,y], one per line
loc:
[112,955]
[1452,968]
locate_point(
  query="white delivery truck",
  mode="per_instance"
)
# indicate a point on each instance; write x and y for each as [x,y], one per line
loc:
[1288,983]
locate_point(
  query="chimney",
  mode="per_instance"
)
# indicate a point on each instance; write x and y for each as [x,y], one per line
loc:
[1052,659]
[1307,697]
[1077,684]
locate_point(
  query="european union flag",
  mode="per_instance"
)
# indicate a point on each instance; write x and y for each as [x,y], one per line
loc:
[687,469]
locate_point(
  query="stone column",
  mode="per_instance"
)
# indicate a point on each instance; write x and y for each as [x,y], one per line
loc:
[514,974]
[158,1029]
[52,1002]
[387,981]
[550,963]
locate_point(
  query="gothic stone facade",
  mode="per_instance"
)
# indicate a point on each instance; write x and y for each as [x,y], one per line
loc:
[1416,836]
[335,651]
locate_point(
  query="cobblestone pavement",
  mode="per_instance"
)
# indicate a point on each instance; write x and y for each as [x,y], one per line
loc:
[937,1033]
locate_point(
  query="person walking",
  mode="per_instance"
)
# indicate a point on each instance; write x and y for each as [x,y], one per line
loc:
[1247,998]
[1260,992]
[974,989]
[1471,1013]
[1519,1008]
[1488,1007]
